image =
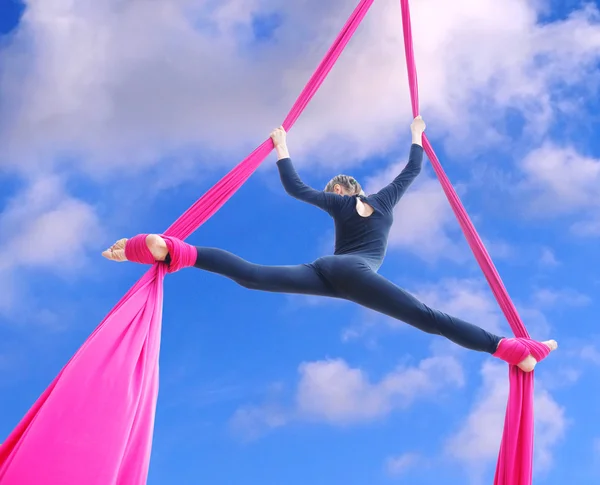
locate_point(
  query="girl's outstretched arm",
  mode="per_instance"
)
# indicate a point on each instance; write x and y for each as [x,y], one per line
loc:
[390,195]
[292,182]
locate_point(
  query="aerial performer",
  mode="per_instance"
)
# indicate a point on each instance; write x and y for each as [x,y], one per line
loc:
[362,226]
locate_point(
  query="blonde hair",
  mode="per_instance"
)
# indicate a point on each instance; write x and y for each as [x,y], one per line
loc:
[346,181]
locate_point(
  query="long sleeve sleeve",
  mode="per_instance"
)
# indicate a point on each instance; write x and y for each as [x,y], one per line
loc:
[390,195]
[294,186]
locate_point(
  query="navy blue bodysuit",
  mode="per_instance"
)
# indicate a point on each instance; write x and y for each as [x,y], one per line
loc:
[351,272]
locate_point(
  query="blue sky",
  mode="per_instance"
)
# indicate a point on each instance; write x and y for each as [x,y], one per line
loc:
[114,119]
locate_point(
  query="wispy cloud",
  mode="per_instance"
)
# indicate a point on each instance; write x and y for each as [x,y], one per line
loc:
[562,297]
[548,258]
[591,354]
[398,465]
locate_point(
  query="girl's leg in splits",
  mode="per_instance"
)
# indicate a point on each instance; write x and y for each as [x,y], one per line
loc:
[300,279]
[358,283]
[377,293]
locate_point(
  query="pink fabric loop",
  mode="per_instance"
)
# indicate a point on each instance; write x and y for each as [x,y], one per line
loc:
[136,250]
[183,255]
[515,350]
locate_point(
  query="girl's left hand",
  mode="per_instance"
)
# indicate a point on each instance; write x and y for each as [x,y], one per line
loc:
[278,136]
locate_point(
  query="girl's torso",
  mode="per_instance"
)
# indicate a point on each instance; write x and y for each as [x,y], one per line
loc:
[362,228]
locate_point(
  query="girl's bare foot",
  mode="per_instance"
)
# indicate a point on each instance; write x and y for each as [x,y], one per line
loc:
[117,251]
[529,363]
[155,243]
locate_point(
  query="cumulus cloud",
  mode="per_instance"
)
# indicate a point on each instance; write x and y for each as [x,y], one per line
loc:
[88,86]
[477,441]
[564,182]
[92,81]
[332,392]
[44,227]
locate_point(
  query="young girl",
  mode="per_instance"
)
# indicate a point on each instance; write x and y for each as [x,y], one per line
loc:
[362,225]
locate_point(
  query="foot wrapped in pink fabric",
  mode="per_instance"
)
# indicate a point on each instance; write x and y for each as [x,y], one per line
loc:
[523,352]
[139,249]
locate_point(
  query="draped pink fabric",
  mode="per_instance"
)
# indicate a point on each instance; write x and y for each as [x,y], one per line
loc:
[516,449]
[93,425]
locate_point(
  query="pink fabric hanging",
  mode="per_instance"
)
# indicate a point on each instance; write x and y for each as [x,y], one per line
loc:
[516,450]
[93,425]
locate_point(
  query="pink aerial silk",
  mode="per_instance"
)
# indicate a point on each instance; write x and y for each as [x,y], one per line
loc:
[93,425]
[516,450]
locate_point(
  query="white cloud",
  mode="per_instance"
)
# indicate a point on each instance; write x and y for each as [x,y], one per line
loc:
[332,392]
[566,376]
[44,227]
[251,422]
[535,321]
[548,258]
[564,182]
[499,249]
[477,442]
[571,180]
[92,80]
[551,425]
[398,465]
[564,296]
[7,290]
[591,354]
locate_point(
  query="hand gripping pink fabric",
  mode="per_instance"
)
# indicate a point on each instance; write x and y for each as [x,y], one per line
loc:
[93,425]
[516,450]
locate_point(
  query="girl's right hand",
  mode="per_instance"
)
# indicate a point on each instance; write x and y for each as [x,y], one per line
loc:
[278,136]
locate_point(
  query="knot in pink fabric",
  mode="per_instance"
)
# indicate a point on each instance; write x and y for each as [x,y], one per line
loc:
[136,250]
[515,350]
[182,254]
